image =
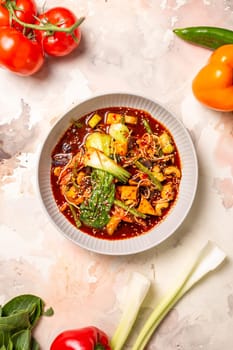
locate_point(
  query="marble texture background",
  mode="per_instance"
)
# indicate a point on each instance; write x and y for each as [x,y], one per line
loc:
[126,46]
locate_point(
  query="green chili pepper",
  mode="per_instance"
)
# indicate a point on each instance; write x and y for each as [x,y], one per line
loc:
[208,37]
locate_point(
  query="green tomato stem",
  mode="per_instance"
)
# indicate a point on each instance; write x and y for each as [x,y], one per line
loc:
[47,27]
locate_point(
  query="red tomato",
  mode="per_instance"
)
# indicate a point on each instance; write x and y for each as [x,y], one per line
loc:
[58,43]
[4,17]
[25,10]
[18,53]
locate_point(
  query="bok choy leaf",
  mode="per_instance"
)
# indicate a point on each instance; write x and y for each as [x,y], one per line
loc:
[95,212]
[98,160]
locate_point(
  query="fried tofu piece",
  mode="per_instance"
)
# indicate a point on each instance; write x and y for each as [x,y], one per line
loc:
[168,192]
[159,207]
[114,118]
[172,170]
[128,192]
[95,119]
[145,207]
[165,143]
[112,224]
[120,148]
[131,119]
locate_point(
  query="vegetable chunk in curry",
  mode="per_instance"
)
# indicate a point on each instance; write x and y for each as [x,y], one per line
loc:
[115,173]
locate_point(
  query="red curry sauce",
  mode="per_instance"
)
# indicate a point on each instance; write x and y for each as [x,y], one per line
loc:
[74,138]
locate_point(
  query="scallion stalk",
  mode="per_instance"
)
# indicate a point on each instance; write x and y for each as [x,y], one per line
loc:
[136,291]
[73,212]
[208,259]
[147,126]
[153,179]
[130,210]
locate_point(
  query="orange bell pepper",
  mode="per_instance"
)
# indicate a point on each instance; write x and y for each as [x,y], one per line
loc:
[213,85]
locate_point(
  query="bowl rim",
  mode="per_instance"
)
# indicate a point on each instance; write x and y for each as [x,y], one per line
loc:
[139,243]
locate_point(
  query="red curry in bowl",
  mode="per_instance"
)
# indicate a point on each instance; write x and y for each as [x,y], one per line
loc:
[115,173]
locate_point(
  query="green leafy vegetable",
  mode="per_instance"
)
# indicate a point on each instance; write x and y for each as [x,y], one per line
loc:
[208,259]
[18,317]
[95,213]
[119,132]
[30,304]
[99,141]
[22,339]
[98,160]
[15,321]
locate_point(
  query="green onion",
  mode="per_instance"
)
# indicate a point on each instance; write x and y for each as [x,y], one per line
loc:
[153,179]
[73,212]
[135,294]
[208,259]
[132,211]
[147,126]
[77,124]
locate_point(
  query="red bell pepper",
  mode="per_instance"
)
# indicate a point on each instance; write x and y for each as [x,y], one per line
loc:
[88,338]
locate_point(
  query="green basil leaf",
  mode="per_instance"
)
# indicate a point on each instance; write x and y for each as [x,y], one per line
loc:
[3,348]
[15,322]
[48,312]
[4,338]
[27,302]
[10,345]
[34,345]
[22,340]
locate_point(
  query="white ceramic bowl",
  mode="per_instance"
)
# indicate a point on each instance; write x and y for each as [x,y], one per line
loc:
[176,214]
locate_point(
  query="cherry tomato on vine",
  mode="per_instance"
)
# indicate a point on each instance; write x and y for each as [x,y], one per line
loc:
[4,17]
[58,43]
[19,54]
[25,10]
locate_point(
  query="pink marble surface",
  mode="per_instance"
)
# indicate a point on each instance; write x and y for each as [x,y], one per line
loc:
[126,46]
